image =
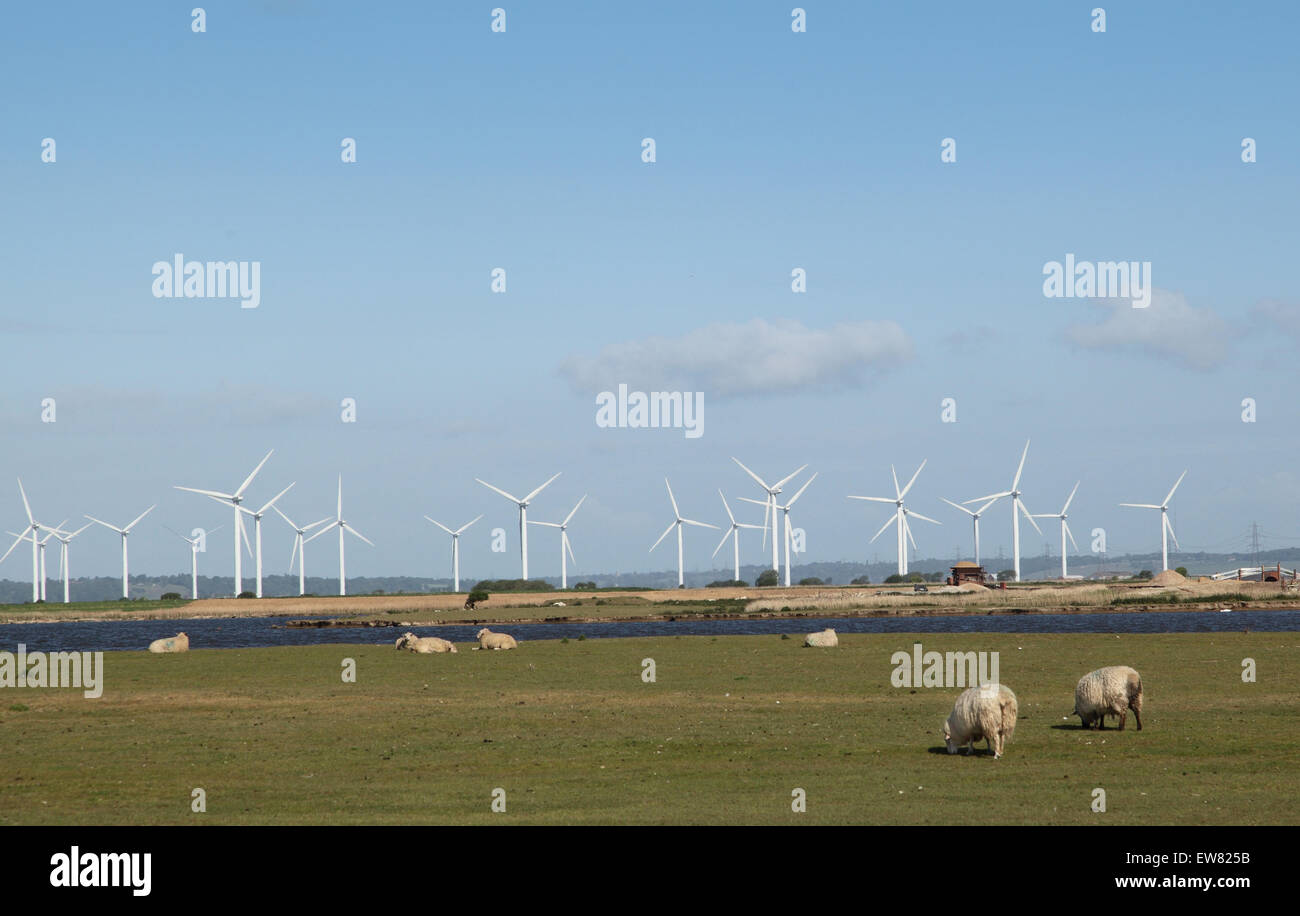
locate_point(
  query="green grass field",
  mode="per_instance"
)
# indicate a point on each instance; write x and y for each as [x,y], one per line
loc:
[730,728]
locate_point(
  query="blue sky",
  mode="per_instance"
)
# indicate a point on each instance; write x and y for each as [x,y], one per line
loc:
[521,150]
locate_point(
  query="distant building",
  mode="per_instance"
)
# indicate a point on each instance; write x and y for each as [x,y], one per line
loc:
[966,571]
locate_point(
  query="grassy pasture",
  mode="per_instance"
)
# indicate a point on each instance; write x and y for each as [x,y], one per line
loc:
[730,727]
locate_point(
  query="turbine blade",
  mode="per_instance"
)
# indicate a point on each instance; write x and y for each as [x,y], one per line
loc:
[728,508]
[462,528]
[893,518]
[18,539]
[677,512]
[800,491]
[757,502]
[322,531]
[761,483]
[291,525]
[140,516]
[529,497]
[908,529]
[876,499]
[309,527]
[688,521]
[1026,514]
[271,504]
[1142,505]
[570,516]
[924,518]
[662,536]
[215,494]
[244,532]
[980,510]
[784,480]
[26,506]
[1171,492]
[294,553]
[564,536]
[348,528]
[958,506]
[513,499]
[990,497]
[1066,507]
[913,480]
[441,525]
[1171,532]
[898,494]
[1023,455]
[105,524]
[725,535]
[249,478]
[1066,526]
[339,513]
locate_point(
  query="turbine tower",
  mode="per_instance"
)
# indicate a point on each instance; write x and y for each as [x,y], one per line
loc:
[126,593]
[975,517]
[785,516]
[455,550]
[64,539]
[523,516]
[1065,529]
[678,521]
[342,526]
[564,543]
[34,528]
[1017,509]
[194,558]
[235,499]
[257,529]
[904,532]
[734,533]
[772,492]
[1166,526]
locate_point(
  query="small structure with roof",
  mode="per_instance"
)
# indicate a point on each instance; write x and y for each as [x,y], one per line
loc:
[966,571]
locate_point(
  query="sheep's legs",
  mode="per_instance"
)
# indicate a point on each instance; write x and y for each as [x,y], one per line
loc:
[1123,717]
[1137,717]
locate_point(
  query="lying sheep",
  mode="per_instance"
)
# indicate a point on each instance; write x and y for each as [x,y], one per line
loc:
[1106,692]
[981,712]
[826,638]
[425,645]
[489,640]
[178,643]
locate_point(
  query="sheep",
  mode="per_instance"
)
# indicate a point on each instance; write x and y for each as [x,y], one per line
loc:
[178,643]
[1111,691]
[425,645]
[987,712]
[826,638]
[489,640]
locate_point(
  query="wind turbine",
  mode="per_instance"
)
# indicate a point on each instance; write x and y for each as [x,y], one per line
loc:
[523,516]
[257,529]
[564,542]
[25,535]
[342,526]
[298,549]
[1166,526]
[64,539]
[194,558]
[901,514]
[734,533]
[1017,509]
[34,527]
[772,491]
[678,521]
[1065,529]
[785,515]
[235,499]
[124,532]
[975,517]
[455,550]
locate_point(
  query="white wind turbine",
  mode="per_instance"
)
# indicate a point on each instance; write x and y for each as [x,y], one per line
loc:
[772,492]
[564,542]
[785,516]
[975,517]
[342,526]
[1017,509]
[901,515]
[194,557]
[523,516]
[734,533]
[455,550]
[678,521]
[1166,526]
[298,549]
[25,535]
[33,531]
[126,593]
[257,529]
[1065,529]
[64,539]
[235,499]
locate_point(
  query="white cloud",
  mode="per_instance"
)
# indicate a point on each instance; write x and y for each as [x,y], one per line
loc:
[754,358]
[1169,328]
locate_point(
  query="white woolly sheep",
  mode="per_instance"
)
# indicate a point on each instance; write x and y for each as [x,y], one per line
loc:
[425,645]
[489,640]
[981,712]
[825,638]
[178,643]
[1106,692]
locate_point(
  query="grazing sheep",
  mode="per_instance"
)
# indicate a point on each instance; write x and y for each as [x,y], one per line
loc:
[1106,692]
[425,645]
[489,640]
[178,643]
[981,712]
[825,638]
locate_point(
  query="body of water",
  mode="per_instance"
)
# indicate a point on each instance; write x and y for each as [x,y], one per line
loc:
[249,632]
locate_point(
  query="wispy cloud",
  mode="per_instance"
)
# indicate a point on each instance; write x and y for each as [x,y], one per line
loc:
[1169,329]
[740,359]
